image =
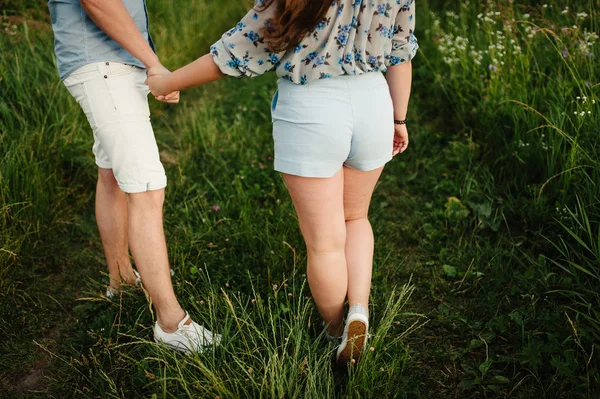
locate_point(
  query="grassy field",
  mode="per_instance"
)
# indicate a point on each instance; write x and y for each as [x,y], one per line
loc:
[487,260]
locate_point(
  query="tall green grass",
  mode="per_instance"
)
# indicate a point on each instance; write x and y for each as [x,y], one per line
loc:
[524,81]
[273,346]
[41,174]
[520,83]
[493,211]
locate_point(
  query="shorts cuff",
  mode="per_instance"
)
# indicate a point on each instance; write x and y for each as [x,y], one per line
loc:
[144,187]
[368,166]
[304,169]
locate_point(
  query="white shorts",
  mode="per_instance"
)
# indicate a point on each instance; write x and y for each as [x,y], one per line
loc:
[114,98]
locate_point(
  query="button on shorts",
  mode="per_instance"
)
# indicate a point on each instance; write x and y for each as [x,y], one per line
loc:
[114,97]
[326,124]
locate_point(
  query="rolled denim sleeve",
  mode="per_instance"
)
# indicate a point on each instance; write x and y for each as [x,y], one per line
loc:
[404,42]
[243,51]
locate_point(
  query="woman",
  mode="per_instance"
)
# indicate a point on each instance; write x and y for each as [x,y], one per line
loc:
[336,123]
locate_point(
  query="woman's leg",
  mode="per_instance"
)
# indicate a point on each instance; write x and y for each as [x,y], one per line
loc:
[358,189]
[319,204]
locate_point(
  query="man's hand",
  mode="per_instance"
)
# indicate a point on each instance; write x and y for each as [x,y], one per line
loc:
[155,81]
[400,139]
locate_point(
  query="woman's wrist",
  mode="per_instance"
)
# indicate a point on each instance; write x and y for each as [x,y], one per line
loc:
[168,83]
[400,116]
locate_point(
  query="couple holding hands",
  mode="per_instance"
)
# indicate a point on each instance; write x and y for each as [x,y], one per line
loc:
[337,120]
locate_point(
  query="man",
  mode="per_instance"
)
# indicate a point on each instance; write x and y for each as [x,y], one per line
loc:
[103,50]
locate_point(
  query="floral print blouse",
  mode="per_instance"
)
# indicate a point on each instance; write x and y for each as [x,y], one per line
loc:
[356,37]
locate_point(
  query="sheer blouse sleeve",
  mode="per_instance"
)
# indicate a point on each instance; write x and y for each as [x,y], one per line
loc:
[404,42]
[243,51]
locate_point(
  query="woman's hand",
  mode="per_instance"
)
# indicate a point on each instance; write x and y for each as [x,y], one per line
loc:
[400,139]
[156,83]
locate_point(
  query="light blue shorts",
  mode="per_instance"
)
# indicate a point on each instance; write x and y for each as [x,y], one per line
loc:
[330,123]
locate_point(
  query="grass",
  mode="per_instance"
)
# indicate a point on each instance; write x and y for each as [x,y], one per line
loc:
[488,229]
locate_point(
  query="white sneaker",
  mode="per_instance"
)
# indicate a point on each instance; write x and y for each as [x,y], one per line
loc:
[354,339]
[114,292]
[187,338]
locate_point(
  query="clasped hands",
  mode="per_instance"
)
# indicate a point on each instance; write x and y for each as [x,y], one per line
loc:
[156,83]
[156,75]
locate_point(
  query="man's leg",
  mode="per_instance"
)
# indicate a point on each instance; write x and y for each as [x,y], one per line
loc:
[149,249]
[137,219]
[111,216]
[116,103]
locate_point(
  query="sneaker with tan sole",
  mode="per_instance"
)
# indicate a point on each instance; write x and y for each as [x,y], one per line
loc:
[354,338]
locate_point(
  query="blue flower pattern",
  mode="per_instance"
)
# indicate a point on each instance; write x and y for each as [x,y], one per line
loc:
[299,48]
[356,37]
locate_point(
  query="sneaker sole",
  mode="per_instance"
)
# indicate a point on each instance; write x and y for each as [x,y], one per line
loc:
[357,335]
[184,348]
[178,347]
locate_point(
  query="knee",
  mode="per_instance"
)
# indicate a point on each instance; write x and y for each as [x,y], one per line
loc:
[106,179]
[326,242]
[351,216]
[150,199]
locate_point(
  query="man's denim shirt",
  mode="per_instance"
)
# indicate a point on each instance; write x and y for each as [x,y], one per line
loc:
[78,41]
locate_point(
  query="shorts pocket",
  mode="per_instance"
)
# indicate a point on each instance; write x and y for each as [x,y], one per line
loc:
[83,74]
[118,69]
[80,93]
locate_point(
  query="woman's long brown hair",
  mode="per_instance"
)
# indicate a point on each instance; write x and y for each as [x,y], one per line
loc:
[293,21]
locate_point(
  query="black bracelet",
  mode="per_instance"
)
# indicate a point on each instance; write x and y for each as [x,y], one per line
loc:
[399,122]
